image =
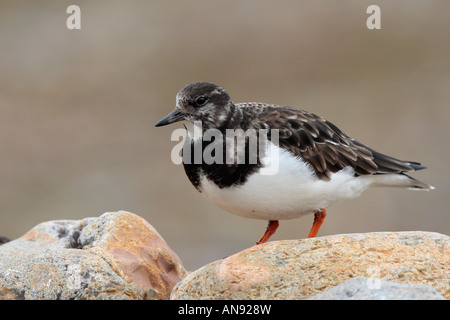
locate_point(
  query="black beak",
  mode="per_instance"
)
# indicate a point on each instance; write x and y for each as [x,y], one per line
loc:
[175,116]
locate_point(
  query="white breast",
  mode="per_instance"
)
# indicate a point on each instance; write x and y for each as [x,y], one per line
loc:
[287,193]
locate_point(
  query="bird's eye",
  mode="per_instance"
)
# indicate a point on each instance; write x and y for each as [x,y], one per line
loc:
[201,100]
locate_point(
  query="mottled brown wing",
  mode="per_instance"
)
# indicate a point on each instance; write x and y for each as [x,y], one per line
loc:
[320,143]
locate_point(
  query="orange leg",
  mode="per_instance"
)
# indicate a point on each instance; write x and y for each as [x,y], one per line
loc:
[319,216]
[271,228]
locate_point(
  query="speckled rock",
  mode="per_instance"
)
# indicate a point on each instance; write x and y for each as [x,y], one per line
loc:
[118,255]
[299,269]
[363,288]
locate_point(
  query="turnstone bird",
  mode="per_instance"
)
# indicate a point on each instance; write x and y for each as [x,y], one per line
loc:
[318,164]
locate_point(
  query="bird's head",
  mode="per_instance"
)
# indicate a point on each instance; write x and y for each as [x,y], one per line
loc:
[200,101]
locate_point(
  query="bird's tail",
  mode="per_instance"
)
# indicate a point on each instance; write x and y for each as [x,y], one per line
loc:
[400,180]
[418,185]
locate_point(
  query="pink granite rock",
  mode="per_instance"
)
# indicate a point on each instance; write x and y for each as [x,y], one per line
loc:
[299,269]
[118,255]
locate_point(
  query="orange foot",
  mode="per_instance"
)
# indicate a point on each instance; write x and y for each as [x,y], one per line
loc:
[319,216]
[271,228]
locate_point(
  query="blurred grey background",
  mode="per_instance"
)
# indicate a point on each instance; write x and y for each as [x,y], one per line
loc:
[78,108]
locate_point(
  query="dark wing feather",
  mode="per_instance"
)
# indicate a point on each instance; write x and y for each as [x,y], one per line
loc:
[321,144]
